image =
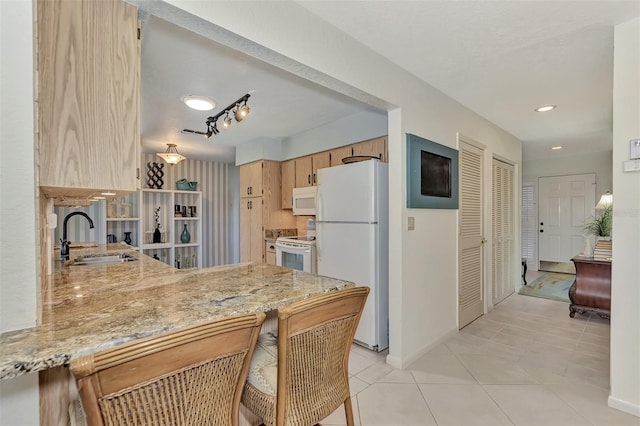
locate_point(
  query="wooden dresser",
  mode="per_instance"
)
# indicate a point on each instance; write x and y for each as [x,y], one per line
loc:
[591,292]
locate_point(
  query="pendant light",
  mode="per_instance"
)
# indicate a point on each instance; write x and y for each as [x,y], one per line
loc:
[171,155]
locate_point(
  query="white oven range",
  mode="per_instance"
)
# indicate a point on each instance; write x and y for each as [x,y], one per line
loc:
[297,253]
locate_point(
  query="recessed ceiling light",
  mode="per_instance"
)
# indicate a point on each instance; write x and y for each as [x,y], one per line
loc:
[201,103]
[545,108]
[556,147]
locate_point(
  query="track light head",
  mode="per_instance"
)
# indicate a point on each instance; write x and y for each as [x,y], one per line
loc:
[241,112]
[226,123]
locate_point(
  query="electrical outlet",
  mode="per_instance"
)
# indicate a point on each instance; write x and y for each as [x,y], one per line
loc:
[411,223]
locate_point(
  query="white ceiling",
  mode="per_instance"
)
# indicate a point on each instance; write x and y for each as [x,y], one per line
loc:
[176,62]
[501,59]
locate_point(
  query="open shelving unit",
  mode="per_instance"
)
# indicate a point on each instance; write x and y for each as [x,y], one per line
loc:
[140,213]
[172,250]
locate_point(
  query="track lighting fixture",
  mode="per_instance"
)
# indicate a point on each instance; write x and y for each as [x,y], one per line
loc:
[240,111]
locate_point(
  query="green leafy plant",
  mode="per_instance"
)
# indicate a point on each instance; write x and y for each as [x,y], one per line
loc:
[600,224]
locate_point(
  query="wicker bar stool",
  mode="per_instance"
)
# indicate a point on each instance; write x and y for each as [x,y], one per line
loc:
[192,376]
[302,377]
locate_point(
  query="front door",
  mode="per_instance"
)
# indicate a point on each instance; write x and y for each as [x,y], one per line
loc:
[565,203]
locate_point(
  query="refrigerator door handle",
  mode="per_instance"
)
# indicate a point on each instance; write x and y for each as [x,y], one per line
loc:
[318,245]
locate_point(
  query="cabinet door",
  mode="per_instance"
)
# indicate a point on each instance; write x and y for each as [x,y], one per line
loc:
[88,96]
[251,179]
[319,161]
[251,233]
[257,234]
[304,170]
[338,154]
[287,181]
[374,147]
[245,230]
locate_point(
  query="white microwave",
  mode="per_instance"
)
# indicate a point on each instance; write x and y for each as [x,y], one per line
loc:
[304,201]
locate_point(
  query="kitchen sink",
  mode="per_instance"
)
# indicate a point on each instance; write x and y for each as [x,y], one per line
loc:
[102,259]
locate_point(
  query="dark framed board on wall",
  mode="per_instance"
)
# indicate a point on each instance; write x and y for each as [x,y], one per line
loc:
[432,174]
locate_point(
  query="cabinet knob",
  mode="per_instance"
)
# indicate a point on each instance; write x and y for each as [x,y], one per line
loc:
[309,179]
[314,178]
[542,230]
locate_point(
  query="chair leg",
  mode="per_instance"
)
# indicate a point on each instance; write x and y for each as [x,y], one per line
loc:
[348,410]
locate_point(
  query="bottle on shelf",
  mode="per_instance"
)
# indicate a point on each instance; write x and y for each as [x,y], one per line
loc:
[185,237]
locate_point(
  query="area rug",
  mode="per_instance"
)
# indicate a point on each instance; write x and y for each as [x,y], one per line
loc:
[550,286]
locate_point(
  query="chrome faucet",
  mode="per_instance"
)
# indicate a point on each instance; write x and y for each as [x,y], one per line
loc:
[64,244]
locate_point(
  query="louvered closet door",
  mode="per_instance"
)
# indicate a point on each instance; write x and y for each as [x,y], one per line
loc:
[504,260]
[471,239]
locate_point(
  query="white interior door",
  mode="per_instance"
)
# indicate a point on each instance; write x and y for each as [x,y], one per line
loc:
[504,260]
[471,238]
[565,203]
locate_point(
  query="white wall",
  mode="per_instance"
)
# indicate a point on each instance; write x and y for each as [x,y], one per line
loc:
[347,130]
[625,284]
[423,263]
[18,224]
[598,163]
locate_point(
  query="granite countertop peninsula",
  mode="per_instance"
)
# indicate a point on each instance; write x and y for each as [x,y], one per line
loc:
[91,308]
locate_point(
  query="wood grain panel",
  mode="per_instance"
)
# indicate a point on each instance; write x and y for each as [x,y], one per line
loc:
[89,74]
[304,169]
[287,181]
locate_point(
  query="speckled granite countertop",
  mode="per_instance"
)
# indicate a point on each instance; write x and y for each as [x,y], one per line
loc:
[90,308]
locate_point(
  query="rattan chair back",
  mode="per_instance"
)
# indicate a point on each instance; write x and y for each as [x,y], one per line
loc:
[314,341]
[192,376]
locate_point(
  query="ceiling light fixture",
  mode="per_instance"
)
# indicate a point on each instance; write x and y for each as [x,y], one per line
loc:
[171,155]
[546,108]
[556,147]
[200,103]
[108,193]
[240,111]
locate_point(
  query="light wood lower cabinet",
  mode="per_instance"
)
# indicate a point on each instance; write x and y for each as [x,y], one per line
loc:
[88,55]
[270,250]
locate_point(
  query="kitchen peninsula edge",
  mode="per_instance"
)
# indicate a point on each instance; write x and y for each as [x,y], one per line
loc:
[90,308]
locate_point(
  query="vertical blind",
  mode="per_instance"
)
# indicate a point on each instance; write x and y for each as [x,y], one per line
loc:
[529,234]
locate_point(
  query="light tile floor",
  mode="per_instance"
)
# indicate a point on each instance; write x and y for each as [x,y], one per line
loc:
[524,363]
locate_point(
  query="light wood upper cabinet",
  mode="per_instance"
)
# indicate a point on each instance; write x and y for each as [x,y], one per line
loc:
[374,147]
[88,97]
[287,182]
[304,171]
[337,154]
[319,161]
[251,179]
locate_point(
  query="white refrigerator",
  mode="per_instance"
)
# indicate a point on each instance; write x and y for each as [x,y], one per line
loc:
[352,239]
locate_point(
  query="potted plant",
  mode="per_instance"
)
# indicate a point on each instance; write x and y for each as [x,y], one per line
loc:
[600,224]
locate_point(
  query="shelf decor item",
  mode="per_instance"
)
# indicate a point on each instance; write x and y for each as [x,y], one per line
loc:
[186,185]
[155,175]
[127,237]
[185,237]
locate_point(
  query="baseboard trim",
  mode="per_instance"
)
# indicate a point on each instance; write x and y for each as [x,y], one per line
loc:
[403,363]
[625,406]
